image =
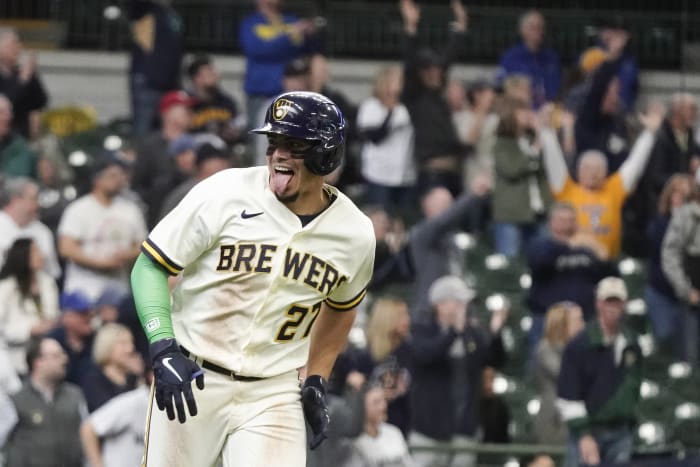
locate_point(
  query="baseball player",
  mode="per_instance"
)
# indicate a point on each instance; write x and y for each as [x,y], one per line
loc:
[273,263]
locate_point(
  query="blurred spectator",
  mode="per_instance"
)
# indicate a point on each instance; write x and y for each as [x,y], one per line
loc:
[8,417]
[392,259]
[431,242]
[600,123]
[210,158]
[563,321]
[157,46]
[589,61]
[75,334]
[541,460]
[599,193]
[494,414]
[520,195]
[518,87]
[611,31]
[21,84]
[352,368]
[532,58]
[296,76]
[117,365]
[29,299]
[565,265]
[155,172]
[270,39]
[18,218]
[16,157]
[385,127]
[112,436]
[100,234]
[675,145]
[680,259]
[438,150]
[389,345]
[599,381]
[214,111]
[450,352]
[55,189]
[664,309]
[49,412]
[381,444]
[476,123]
[107,305]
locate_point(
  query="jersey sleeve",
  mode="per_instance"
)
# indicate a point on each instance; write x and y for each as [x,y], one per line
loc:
[350,293]
[187,231]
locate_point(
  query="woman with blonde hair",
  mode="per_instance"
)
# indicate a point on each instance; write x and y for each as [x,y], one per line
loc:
[385,127]
[387,341]
[664,309]
[117,365]
[562,322]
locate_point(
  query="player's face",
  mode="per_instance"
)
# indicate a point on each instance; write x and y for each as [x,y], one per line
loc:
[288,174]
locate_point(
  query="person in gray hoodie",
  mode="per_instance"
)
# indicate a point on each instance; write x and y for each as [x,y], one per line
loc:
[680,260]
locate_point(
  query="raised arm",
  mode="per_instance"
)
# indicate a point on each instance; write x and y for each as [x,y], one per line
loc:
[554,162]
[632,169]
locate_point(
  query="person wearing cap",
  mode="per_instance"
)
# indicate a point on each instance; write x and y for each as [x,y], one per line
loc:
[214,110]
[532,58]
[211,156]
[100,232]
[438,151]
[450,352]
[152,174]
[680,260]
[599,381]
[75,334]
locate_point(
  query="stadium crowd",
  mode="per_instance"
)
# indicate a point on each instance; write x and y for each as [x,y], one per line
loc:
[566,180]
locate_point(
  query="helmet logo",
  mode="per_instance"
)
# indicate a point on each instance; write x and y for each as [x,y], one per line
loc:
[281,108]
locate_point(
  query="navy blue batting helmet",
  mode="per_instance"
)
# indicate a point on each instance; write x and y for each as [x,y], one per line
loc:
[311,117]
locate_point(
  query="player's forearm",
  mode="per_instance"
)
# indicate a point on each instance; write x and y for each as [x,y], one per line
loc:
[149,283]
[328,338]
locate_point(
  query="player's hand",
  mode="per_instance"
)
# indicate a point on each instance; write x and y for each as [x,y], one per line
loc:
[588,450]
[172,375]
[313,400]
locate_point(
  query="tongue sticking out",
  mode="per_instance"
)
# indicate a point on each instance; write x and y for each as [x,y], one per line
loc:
[279,181]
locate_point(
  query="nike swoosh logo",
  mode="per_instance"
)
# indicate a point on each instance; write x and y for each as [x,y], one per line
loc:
[245,215]
[166,364]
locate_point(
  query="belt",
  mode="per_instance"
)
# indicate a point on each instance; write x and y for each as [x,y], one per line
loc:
[219,369]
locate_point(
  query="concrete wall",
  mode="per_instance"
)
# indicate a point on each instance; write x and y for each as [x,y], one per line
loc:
[99,79]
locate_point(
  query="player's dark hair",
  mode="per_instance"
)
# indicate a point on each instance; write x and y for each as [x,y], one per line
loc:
[17,265]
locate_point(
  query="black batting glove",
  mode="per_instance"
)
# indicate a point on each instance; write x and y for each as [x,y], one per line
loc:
[172,375]
[313,400]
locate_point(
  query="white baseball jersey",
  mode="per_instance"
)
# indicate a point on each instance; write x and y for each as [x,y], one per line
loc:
[253,279]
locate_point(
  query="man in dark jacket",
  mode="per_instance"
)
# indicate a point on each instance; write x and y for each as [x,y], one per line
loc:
[565,266]
[450,352]
[438,151]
